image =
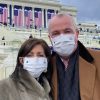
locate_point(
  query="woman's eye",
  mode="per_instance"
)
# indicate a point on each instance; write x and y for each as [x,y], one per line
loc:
[29,55]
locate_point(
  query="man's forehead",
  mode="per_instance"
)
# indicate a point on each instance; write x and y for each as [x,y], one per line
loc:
[57,21]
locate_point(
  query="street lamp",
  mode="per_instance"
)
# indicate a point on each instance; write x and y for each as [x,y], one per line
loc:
[40,32]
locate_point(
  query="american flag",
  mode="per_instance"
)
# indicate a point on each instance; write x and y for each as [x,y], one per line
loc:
[18,14]
[1,14]
[38,19]
[5,15]
[50,15]
[20,19]
[16,17]
[28,16]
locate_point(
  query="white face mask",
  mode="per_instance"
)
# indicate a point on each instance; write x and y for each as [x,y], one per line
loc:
[35,65]
[64,44]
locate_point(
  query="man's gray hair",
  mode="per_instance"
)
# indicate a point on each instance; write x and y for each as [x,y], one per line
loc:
[66,14]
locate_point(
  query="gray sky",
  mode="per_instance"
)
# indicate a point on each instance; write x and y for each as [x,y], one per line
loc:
[88,10]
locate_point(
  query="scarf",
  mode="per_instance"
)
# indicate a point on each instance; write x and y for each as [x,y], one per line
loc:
[68,80]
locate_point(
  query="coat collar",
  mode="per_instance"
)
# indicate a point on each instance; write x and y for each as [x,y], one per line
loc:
[87,72]
[84,53]
[26,81]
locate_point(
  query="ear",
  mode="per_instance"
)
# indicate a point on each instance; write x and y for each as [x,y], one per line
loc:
[21,60]
[49,38]
[77,32]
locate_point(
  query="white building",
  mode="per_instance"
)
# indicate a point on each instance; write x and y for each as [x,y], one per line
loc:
[87,27]
[89,34]
[24,13]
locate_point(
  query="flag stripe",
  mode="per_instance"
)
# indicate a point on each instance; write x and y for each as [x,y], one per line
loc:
[40,19]
[16,17]
[5,15]
[36,18]
[20,18]
[28,16]
[1,14]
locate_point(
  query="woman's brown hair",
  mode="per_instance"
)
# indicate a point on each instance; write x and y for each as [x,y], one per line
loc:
[25,48]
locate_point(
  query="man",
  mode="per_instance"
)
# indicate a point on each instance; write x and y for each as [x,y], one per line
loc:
[76,70]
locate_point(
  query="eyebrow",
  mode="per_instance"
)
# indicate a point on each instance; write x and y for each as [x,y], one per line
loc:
[67,29]
[30,53]
[62,29]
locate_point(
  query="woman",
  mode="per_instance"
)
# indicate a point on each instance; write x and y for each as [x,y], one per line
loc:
[29,81]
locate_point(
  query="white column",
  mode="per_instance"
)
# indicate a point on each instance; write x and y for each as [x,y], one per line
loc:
[8,21]
[12,14]
[55,12]
[23,15]
[42,18]
[75,19]
[33,21]
[46,18]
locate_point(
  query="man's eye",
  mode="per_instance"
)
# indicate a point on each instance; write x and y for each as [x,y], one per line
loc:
[54,35]
[67,31]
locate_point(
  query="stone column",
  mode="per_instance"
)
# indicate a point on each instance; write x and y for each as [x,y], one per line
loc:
[42,18]
[46,18]
[12,14]
[8,18]
[23,15]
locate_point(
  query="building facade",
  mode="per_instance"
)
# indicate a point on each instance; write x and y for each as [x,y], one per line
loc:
[31,13]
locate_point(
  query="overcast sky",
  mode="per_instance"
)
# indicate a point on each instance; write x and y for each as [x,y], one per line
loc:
[88,10]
